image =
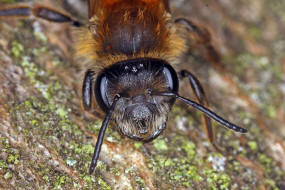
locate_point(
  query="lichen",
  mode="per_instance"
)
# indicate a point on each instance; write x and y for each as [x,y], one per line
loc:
[59,182]
[17,49]
[160,144]
[252,145]
[216,180]
[7,1]
[8,175]
[47,116]
[266,162]
[103,184]
[9,158]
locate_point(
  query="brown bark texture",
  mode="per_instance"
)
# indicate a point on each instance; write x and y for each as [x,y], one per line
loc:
[47,140]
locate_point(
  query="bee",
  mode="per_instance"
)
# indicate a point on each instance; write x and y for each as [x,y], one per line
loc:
[133,46]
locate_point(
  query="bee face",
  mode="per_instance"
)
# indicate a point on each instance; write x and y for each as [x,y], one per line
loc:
[138,114]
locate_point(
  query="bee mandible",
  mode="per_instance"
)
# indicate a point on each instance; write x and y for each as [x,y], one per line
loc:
[132,47]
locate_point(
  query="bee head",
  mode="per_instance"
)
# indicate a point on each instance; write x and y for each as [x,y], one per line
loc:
[138,114]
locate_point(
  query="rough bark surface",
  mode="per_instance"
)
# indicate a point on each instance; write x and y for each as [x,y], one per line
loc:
[46,140]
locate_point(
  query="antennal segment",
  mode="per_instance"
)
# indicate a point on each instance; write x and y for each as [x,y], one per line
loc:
[206,111]
[101,135]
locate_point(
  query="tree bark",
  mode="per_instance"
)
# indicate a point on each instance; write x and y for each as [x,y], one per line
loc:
[47,140]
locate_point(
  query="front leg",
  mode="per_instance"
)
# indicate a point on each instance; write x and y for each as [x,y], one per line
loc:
[87,90]
[202,99]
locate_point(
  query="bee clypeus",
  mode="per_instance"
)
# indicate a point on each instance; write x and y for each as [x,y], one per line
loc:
[132,45]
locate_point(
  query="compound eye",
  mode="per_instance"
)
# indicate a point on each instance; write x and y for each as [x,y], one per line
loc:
[171,77]
[101,92]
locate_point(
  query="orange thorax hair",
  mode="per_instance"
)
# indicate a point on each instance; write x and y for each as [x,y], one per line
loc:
[128,28]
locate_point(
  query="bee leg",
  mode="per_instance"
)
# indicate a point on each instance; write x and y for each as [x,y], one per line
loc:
[202,99]
[38,11]
[200,35]
[21,11]
[87,90]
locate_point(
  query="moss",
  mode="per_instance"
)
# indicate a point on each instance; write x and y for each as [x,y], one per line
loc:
[115,171]
[13,158]
[40,36]
[138,145]
[3,164]
[35,76]
[17,49]
[5,142]
[34,123]
[252,145]
[271,111]
[59,182]
[181,166]
[184,172]
[8,175]
[168,162]
[88,149]
[87,179]
[271,183]
[46,178]
[62,112]
[217,181]
[103,184]
[139,181]
[266,162]
[160,144]
[8,157]
[46,116]
[39,51]
[179,171]
[236,167]
[7,1]
[189,148]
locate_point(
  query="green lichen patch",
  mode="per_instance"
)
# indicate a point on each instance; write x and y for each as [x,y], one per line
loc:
[103,185]
[266,162]
[160,144]
[7,1]
[9,157]
[183,167]
[264,74]
[216,180]
[45,120]
[17,49]
[252,145]
[138,145]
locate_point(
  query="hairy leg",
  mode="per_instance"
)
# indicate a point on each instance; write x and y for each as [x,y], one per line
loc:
[38,11]
[202,99]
